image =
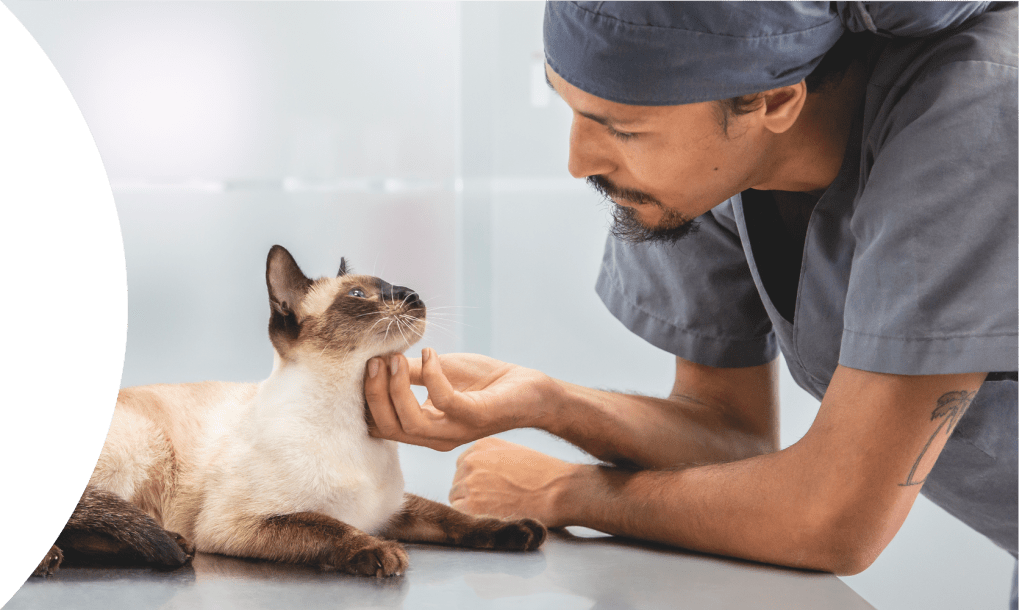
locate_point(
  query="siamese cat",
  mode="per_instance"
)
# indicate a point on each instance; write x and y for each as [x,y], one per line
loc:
[283,470]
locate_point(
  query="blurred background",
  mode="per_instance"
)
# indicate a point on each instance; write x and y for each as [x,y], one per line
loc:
[420,141]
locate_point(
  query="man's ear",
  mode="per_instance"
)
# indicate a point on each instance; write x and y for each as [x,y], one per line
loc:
[782,106]
[285,282]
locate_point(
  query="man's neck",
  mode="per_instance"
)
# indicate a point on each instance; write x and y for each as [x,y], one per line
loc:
[812,151]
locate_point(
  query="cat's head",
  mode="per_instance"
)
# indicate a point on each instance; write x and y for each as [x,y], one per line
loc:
[338,318]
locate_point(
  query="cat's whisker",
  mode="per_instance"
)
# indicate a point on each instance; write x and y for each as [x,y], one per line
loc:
[440,326]
[408,326]
[452,321]
[375,323]
[408,316]
[444,331]
[410,323]
[398,320]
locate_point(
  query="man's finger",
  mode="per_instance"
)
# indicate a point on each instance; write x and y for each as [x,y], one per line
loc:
[409,412]
[377,391]
[441,394]
[415,371]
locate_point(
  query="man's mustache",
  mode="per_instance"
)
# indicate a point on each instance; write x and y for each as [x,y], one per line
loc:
[609,190]
[626,225]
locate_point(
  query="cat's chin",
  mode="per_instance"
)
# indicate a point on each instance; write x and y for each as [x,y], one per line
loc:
[396,341]
[390,346]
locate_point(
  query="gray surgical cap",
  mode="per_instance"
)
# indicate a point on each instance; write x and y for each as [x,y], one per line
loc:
[666,53]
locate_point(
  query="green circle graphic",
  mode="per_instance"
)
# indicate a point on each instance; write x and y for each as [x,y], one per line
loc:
[64,307]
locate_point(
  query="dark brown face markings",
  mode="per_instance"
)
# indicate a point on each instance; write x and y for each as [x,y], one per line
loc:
[287,286]
[362,306]
[360,310]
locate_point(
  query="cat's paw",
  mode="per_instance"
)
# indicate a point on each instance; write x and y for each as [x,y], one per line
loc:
[184,543]
[382,558]
[519,535]
[50,563]
[509,535]
[167,550]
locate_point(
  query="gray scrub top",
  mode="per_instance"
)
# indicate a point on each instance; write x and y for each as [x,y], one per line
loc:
[910,264]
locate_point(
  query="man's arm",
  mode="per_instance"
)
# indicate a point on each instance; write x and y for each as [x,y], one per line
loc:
[831,501]
[712,415]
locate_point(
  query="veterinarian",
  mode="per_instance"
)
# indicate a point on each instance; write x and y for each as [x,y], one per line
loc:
[866,158]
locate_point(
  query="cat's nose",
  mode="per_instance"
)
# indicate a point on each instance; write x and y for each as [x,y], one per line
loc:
[402,294]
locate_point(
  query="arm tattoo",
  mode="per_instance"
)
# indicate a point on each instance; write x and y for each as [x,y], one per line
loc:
[950,408]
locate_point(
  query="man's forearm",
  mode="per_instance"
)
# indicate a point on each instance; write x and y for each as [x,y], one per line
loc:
[712,416]
[647,432]
[831,501]
[759,509]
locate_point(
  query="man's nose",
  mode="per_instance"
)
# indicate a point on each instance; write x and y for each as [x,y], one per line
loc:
[588,152]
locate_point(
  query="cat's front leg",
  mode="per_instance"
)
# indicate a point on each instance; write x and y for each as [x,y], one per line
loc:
[422,520]
[316,539]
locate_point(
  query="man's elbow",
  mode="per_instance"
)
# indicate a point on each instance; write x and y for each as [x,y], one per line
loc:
[849,561]
[848,549]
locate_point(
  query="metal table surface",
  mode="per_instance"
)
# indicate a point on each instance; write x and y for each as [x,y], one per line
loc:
[568,572]
[576,568]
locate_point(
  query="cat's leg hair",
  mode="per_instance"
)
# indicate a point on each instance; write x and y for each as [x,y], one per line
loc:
[105,528]
[422,520]
[314,539]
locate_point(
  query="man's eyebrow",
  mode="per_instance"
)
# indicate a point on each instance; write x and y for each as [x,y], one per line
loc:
[599,119]
[605,121]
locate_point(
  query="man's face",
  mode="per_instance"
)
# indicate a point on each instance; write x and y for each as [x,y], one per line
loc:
[661,165]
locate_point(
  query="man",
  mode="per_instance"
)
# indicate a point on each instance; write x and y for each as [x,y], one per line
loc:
[868,231]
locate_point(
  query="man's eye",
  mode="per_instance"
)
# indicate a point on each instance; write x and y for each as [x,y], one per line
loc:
[355,292]
[620,135]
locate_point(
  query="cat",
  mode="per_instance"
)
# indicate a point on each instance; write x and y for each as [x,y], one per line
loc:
[283,470]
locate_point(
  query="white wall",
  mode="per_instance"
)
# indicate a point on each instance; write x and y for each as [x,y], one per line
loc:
[416,140]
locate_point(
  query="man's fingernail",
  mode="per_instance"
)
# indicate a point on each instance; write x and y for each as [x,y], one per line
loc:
[374,367]
[425,355]
[393,365]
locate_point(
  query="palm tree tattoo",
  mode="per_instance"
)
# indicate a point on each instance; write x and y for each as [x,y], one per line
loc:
[950,408]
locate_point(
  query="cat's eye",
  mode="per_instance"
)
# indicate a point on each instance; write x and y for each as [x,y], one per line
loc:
[356,292]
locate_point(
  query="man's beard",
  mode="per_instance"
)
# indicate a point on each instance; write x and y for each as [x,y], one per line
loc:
[626,226]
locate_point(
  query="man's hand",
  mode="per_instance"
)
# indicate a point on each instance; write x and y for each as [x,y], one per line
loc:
[470,397]
[502,479]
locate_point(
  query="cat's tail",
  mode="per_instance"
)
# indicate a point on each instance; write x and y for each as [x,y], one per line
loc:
[106,529]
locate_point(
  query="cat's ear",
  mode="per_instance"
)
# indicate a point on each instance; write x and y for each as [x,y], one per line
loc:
[285,282]
[344,268]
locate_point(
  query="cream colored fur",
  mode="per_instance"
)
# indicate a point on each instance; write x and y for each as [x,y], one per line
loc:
[209,459]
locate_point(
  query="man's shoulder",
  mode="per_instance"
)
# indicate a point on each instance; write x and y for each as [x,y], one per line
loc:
[990,38]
